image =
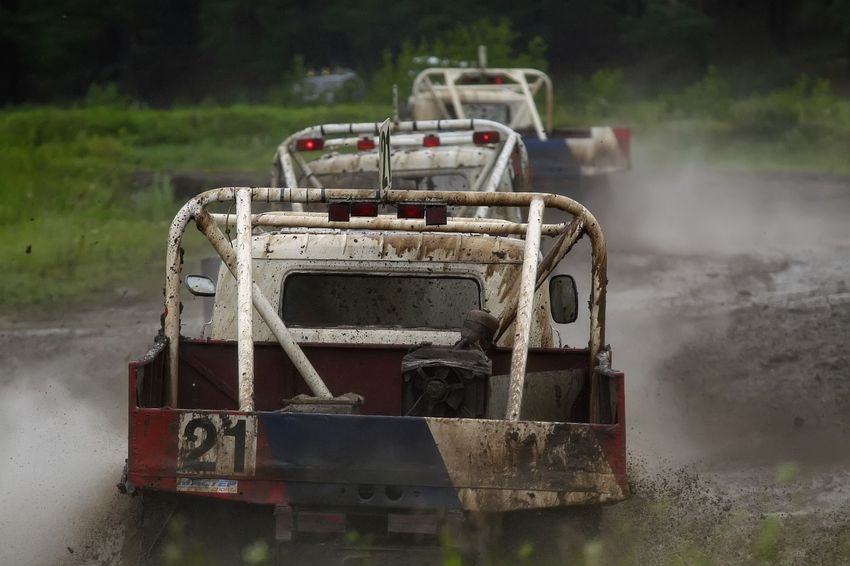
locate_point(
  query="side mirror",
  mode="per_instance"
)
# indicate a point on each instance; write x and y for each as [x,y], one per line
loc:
[563,299]
[200,286]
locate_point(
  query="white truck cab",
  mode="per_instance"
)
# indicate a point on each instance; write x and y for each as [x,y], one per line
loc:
[360,287]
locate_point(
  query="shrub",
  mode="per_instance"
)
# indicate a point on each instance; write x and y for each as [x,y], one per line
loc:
[709,97]
[808,107]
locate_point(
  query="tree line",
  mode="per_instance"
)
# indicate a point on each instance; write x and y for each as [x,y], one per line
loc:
[165,52]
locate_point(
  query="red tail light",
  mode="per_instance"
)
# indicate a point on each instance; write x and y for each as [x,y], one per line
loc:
[309,144]
[485,137]
[430,141]
[339,211]
[624,140]
[364,208]
[411,210]
[366,143]
[482,79]
[436,215]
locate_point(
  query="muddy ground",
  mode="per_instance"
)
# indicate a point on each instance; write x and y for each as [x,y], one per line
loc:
[729,311]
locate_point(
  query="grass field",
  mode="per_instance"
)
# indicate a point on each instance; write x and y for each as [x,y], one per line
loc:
[76,226]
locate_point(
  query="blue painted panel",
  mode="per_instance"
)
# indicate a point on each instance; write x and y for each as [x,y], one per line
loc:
[354,449]
[551,158]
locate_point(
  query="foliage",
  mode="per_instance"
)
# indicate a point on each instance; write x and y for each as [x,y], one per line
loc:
[806,108]
[456,47]
[600,96]
[161,53]
[671,29]
[106,94]
[709,97]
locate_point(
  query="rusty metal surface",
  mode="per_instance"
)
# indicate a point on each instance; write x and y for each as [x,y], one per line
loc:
[505,465]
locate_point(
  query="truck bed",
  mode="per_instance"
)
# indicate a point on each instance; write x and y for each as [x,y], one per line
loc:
[378,458]
[208,371]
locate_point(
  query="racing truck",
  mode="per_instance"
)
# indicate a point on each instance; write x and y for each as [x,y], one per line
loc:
[559,158]
[464,155]
[380,378]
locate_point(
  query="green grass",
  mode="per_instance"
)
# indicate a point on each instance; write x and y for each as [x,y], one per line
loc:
[73,225]
[69,186]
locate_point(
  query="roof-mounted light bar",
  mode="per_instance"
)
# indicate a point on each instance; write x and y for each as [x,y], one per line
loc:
[310,144]
[431,140]
[344,210]
[481,138]
[365,144]
[483,79]
[434,214]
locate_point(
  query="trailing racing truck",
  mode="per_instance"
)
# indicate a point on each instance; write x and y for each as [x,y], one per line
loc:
[559,157]
[463,155]
[378,378]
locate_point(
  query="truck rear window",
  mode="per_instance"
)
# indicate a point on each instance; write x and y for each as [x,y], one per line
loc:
[323,300]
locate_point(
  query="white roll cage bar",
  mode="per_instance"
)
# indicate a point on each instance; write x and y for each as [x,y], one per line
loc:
[443,84]
[407,134]
[240,264]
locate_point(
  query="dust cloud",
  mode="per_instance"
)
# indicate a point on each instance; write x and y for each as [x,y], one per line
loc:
[60,456]
[727,310]
[688,250]
[63,413]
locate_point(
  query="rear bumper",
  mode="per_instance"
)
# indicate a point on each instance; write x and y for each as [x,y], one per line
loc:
[310,460]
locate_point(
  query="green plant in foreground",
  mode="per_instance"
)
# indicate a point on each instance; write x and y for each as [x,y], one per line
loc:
[766,546]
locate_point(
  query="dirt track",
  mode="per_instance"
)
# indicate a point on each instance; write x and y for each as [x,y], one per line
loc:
[729,311]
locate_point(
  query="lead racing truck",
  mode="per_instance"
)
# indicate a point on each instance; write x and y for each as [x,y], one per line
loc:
[379,380]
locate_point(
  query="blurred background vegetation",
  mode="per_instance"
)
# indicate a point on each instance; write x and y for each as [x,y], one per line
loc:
[109,107]
[176,52]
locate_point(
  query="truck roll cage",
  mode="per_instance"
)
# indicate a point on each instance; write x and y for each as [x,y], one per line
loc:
[238,260]
[458,85]
[405,135]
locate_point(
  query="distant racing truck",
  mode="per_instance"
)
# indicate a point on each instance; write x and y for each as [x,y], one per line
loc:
[507,95]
